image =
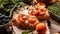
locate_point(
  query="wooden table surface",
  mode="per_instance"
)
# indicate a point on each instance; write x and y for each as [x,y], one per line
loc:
[55,27]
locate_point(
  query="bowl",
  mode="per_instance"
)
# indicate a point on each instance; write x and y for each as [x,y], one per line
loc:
[54,16]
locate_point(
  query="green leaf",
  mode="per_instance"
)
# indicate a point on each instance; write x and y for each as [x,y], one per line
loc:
[24,33]
[28,31]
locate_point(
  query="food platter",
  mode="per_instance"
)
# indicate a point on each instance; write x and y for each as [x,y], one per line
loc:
[17,30]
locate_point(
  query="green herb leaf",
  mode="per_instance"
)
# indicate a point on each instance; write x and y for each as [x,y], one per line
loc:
[28,31]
